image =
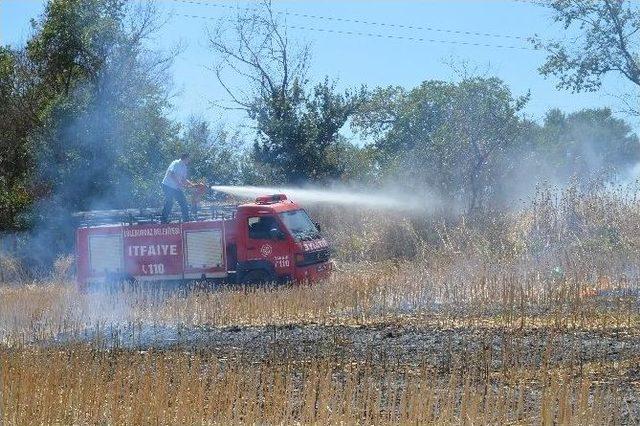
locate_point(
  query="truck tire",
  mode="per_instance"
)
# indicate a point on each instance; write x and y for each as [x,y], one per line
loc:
[257,276]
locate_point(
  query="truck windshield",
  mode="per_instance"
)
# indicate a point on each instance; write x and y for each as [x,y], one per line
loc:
[300,225]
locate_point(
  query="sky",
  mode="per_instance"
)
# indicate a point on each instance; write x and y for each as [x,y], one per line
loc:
[393,43]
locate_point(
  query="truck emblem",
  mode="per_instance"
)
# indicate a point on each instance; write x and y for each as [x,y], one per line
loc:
[266,250]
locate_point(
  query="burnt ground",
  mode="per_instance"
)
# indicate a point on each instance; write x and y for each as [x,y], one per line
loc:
[409,345]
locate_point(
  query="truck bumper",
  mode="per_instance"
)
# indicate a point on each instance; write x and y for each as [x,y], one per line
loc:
[313,273]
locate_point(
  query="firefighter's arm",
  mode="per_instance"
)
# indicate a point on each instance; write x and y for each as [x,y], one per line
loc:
[185,183]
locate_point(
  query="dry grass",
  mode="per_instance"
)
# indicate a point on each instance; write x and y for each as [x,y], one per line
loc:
[83,386]
[406,293]
[11,270]
[502,296]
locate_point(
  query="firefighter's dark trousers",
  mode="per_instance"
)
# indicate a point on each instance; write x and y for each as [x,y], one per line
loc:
[171,194]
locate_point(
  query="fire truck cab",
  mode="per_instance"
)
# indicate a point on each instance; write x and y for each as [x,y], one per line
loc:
[270,240]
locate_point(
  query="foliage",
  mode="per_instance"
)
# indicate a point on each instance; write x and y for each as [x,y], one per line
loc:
[83,96]
[586,145]
[450,137]
[299,135]
[13,201]
[105,106]
[607,42]
[19,116]
[215,153]
[74,40]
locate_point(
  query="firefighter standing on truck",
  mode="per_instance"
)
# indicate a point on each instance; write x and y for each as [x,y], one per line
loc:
[175,179]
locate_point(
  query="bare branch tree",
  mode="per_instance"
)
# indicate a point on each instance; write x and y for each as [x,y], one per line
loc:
[256,48]
[297,127]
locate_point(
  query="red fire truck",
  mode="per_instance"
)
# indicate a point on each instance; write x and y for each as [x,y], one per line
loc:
[270,240]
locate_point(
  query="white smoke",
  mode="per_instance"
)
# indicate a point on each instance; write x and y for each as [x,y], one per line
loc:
[383,199]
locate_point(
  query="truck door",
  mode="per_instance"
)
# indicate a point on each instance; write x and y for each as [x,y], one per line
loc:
[204,254]
[266,245]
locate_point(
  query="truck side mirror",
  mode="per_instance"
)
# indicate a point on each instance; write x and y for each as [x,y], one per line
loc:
[276,234]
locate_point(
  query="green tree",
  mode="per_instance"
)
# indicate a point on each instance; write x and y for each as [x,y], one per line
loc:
[607,37]
[449,137]
[588,145]
[300,142]
[83,116]
[19,115]
[74,40]
[105,132]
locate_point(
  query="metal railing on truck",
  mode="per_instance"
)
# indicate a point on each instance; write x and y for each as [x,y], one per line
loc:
[150,215]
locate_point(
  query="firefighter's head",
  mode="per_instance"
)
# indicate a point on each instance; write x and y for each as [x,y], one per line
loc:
[185,157]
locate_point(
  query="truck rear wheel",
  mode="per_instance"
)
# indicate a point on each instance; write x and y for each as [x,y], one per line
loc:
[257,276]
